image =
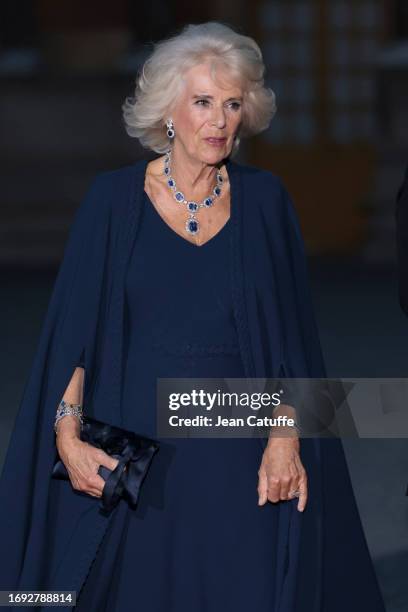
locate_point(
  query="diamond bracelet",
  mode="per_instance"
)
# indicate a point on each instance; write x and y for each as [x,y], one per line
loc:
[65,409]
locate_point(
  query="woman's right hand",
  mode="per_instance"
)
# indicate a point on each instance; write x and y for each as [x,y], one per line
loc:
[82,461]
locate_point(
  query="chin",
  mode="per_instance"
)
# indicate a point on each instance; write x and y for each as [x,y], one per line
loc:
[214,157]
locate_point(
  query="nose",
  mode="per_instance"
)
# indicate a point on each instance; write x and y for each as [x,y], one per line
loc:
[218,118]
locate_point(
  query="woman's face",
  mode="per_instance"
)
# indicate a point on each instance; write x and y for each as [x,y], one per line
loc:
[207,115]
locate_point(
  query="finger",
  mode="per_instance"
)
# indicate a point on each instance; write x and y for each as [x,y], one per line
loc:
[303,485]
[303,495]
[93,494]
[295,483]
[96,482]
[83,487]
[287,485]
[274,487]
[93,484]
[92,490]
[294,480]
[106,460]
[262,487]
[294,487]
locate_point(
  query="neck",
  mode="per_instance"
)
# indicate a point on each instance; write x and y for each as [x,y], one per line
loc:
[192,175]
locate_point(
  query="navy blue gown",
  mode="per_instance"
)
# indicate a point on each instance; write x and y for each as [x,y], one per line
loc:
[197,541]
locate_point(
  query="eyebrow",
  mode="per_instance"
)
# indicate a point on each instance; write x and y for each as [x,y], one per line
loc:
[211,97]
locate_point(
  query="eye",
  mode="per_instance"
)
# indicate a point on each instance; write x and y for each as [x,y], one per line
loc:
[198,102]
[235,105]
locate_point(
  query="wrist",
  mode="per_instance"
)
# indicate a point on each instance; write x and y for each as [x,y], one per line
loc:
[286,425]
[68,427]
[66,409]
[66,444]
[285,434]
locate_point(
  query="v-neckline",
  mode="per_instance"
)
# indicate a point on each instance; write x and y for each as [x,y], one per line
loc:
[170,229]
[173,231]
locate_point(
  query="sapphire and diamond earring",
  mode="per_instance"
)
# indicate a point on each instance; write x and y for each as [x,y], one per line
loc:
[192,225]
[170,128]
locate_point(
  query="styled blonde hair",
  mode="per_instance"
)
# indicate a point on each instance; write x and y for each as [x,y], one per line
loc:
[159,81]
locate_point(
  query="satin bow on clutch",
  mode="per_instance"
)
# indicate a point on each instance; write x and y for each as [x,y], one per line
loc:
[134,452]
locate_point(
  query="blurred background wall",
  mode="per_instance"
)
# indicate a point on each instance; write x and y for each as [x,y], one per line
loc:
[339,140]
[337,67]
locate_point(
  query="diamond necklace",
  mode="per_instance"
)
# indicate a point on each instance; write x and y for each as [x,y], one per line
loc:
[192,225]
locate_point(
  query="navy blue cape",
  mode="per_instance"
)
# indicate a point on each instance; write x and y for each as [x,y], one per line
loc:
[50,533]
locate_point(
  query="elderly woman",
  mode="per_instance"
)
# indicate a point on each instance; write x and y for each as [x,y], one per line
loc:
[188,266]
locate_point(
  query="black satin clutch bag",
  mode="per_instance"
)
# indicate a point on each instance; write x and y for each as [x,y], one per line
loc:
[134,452]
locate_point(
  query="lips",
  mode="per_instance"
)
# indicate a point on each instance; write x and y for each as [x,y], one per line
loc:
[216,141]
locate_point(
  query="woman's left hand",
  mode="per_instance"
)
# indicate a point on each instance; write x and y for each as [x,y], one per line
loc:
[281,472]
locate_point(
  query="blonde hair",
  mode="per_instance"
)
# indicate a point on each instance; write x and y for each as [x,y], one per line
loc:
[158,83]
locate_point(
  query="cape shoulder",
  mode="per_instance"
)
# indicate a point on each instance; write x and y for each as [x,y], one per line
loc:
[68,333]
[279,268]
[268,190]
